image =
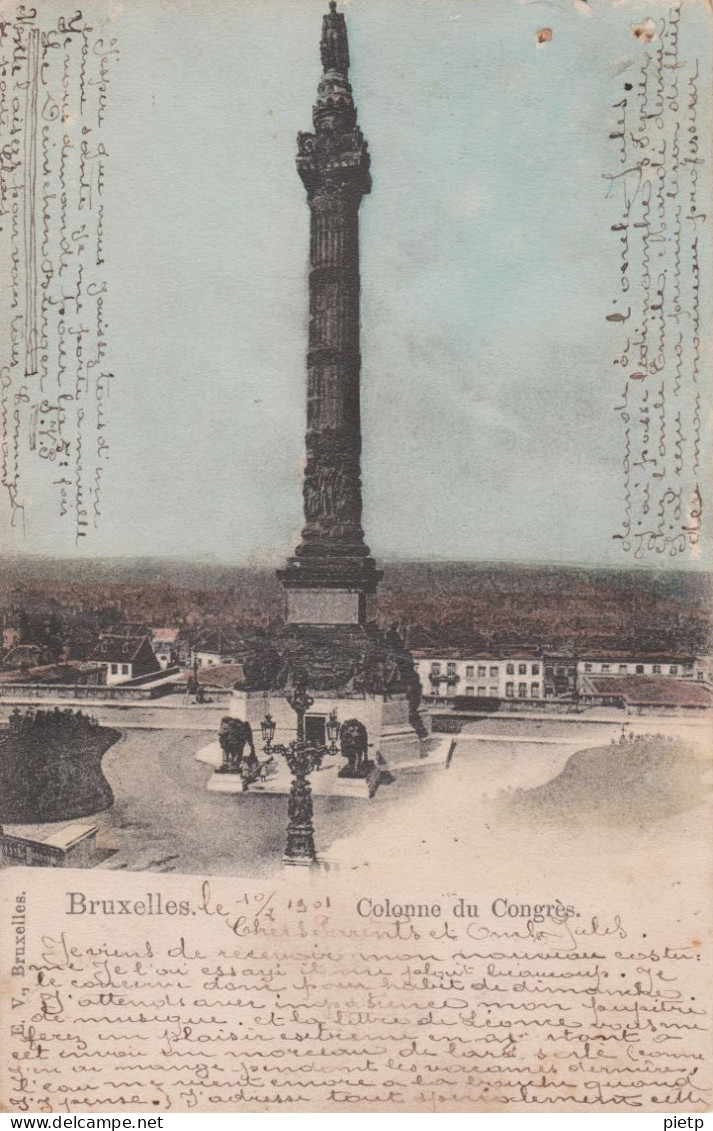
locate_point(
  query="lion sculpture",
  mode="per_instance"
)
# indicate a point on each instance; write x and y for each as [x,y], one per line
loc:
[354,741]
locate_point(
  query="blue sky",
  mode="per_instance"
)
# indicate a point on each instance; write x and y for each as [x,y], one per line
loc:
[487,269]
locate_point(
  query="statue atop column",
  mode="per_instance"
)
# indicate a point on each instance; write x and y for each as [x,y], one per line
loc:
[334,47]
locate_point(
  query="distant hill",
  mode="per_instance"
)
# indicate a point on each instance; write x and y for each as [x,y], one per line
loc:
[554,606]
[482,604]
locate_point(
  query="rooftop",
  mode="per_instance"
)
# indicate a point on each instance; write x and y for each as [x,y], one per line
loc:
[164,635]
[645,690]
[21,655]
[118,649]
[218,642]
[217,675]
[641,657]
[65,672]
[474,655]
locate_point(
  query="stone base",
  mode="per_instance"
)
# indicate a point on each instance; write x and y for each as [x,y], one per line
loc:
[387,716]
[387,720]
[325,782]
[356,775]
[333,606]
[324,588]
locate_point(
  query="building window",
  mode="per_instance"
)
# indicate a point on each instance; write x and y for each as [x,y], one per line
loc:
[535,691]
[451,691]
[522,669]
[469,671]
[510,669]
[587,667]
[605,667]
[639,669]
[494,692]
[561,671]
[623,668]
[470,691]
[699,675]
[481,691]
[124,669]
[435,669]
[535,669]
[673,669]
[510,690]
[494,672]
[522,691]
[114,669]
[451,669]
[481,671]
[657,669]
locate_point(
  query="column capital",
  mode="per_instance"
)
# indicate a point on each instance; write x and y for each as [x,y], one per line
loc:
[332,165]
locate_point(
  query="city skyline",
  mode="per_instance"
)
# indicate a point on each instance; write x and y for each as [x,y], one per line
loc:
[269,560]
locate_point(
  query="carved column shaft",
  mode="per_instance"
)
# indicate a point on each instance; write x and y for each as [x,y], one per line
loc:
[332,490]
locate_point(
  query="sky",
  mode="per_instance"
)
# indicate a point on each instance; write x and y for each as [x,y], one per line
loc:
[487,269]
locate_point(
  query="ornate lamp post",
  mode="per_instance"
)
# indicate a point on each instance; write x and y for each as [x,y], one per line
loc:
[267,726]
[333,726]
[300,829]
[300,702]
[301,757]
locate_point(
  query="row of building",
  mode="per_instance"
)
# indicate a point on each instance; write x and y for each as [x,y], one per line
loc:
[133,653]
[449,674]
[124,654]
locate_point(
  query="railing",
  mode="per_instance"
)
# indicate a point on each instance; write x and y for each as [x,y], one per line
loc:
[100,692]
[30,852]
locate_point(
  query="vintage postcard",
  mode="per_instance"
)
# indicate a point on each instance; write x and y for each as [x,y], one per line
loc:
[356,681]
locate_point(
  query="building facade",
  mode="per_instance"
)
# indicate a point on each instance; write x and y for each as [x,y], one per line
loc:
[673,665]
[122,658]
[163,642]
[10,637]
[216,647]
[560,675]
[447,674]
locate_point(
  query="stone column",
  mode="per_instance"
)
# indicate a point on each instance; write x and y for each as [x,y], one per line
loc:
[332,484]
[331,575]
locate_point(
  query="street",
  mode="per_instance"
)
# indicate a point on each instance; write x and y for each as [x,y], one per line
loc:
[165,820]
